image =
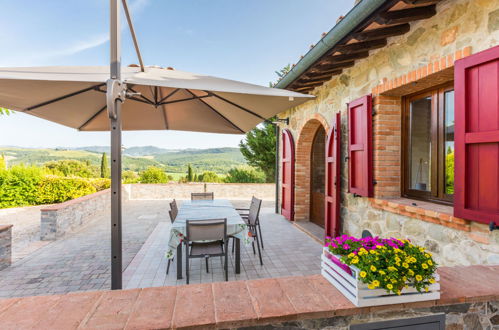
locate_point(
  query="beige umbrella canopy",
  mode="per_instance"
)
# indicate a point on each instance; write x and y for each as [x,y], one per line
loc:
[158,99]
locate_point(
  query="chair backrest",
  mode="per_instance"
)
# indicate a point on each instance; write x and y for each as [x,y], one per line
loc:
[202,196]
[173,211]
[254,211]
[206,230]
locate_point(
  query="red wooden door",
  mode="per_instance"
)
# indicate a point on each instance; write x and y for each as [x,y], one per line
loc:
[288,175]
[360,168]
[333,179]
[476,185]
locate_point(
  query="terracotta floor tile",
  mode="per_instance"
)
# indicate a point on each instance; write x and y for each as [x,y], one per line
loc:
[26,313]
[6,303]
[232,303]
[304,296]
[269,300]
[69,311]
[113,310]
[194,306]
[153,309]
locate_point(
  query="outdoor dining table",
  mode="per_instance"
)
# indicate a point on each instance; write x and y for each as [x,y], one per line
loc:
[206,210]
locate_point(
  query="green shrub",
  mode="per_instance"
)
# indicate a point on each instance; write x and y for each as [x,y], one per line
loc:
[100,184]
[154,175]
[245,175]
[19,186]
[71,167]
[129,177]
[55,189]
[208,176]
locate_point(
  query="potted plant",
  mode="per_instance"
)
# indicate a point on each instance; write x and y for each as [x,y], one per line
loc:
[375,271]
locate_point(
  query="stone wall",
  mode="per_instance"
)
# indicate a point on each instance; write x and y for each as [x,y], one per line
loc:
[60,219]
[5,246]
[420,59]
[26,221]
[243,191]
[459,316]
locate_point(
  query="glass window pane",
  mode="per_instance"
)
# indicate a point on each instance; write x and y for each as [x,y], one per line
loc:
[449,142]
[420,144]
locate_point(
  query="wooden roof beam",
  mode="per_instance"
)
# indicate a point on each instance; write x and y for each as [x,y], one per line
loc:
[336,59]
[382,33]
[360,47]
[420,2]
[320,77]
[406,15]
[324,69]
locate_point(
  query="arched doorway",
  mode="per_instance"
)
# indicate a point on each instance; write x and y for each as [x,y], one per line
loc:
[318,177]
[310,170]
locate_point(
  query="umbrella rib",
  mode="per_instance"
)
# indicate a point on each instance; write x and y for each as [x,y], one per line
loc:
[60,98]
[238,106]
[93,116]
[140,94]
[167,96]
[186,99]
[131,97]
[214,110]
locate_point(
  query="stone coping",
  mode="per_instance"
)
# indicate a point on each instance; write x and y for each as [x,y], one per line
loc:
[55,207]
[5,227]
[225,304]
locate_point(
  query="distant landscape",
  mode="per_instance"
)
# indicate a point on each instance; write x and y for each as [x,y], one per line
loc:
[174,162]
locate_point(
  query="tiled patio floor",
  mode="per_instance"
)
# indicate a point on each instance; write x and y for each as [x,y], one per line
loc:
[287,252]
[80,261]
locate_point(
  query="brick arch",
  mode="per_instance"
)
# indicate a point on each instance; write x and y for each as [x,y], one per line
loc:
[303,165]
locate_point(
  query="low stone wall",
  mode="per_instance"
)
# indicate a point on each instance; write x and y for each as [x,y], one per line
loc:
[26,224]
[242,191]
[60,219]
[5,246]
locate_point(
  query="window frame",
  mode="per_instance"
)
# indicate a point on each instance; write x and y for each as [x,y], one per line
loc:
[437,175]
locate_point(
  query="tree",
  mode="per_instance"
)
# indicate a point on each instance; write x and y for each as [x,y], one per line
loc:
[104,166]
[154,175]
[209,176]
[71,167]
[129,177]
[258,148]
[190,173]
[281,73]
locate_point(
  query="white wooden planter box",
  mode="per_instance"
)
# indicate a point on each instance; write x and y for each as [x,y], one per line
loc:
[360,295]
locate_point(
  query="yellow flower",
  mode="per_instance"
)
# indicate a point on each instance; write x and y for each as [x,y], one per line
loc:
[398,292]
[421,249]
[432,280]
[411,272]
[373,269]
[363,274]
[430,262]
[393,281]
[376,283]
[419,278]
[427,255]
[351,255]
[413,259]
[404,279]
[392,269]
[355,260]
[397,259]
[425,266]
[371,286]
[372,252]
[382,272]
[426,289]
[389,286]
[406,265]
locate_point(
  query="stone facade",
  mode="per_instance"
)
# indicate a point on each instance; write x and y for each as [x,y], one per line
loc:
[5,246]
[422,58]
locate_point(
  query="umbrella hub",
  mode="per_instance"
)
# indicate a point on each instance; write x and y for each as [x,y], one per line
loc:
[116,91]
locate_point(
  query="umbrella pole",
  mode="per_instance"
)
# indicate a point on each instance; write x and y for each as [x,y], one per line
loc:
[114,89]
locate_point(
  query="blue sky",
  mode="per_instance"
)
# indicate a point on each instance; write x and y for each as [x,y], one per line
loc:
[236,39]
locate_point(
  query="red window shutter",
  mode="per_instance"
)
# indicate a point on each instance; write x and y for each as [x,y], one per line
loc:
[288,175]
[476,172]
[360,170]
[333,179]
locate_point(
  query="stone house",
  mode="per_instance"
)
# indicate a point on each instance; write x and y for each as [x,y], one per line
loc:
[402,139]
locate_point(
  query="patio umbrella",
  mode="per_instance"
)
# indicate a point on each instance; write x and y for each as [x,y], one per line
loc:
[137,98]
[158,99]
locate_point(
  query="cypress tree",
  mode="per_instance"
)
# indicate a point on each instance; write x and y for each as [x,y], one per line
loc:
[190,173]
[104,166]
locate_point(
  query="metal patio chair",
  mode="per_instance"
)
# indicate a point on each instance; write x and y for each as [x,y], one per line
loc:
[173,212]
[252,219]
[205,239]
[207,196]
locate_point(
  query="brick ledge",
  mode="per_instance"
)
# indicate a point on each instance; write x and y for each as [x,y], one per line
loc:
[226,304]
[5,227]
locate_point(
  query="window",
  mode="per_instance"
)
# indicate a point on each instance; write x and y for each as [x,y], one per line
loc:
[428,165]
